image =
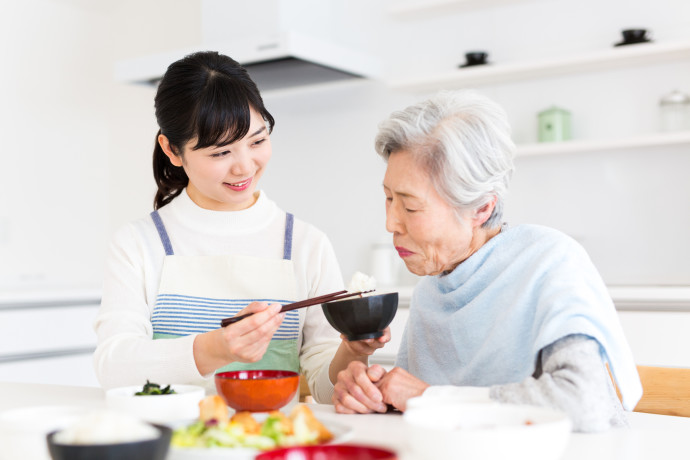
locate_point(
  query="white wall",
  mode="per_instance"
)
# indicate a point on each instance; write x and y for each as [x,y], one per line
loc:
[77,146]
[616,203]
[73,156]
[55,137]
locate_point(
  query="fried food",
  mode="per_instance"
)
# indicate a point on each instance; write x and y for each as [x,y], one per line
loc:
[285,424]
[213,408]
[248,422]
[303,420]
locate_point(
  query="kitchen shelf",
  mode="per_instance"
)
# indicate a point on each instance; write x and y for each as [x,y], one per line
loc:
[606,59]
[583,146]
[411,8]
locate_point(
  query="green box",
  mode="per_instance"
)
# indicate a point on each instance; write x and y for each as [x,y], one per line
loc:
[554,125]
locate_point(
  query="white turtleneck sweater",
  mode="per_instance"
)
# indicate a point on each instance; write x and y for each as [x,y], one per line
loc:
[126,353]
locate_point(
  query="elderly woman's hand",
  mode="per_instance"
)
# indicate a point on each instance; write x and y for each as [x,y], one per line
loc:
[367,347]
[398,385]
[356,392]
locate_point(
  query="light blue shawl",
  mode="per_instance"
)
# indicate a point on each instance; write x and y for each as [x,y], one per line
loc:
[484,323]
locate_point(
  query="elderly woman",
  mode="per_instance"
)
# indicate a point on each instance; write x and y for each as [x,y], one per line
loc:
[515,314]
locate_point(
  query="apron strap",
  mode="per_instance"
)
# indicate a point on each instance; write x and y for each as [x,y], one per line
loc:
[162,233]
[287,246]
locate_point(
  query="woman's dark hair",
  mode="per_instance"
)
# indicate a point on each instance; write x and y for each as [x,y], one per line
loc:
[204,96]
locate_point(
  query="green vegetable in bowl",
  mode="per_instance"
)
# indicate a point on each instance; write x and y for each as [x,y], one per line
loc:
[154,389]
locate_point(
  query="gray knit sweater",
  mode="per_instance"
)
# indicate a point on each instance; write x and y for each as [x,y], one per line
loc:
[570,376]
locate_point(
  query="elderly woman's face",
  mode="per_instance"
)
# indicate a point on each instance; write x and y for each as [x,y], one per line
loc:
[428,234]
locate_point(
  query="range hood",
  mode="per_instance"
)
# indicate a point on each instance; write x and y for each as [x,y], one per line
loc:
[275,61]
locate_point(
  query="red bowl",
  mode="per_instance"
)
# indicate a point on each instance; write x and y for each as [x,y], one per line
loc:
[330,452]
[257,390]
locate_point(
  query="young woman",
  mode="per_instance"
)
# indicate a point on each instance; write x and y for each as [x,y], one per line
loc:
[216,246]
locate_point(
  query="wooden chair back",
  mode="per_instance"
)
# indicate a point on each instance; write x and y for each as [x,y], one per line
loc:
[304,393]
[666,391]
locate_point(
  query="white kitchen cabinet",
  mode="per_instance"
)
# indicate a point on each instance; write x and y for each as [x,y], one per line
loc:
[386,356]
[658,338]
[48,337]
[69,369]
[656,321]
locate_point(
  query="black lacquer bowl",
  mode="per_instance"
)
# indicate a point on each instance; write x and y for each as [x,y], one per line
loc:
[362,318]
[150,449]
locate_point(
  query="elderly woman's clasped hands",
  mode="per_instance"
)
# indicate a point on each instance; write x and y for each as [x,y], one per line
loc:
[362,389]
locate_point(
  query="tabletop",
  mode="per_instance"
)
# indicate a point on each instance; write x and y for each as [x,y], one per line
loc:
[649,437]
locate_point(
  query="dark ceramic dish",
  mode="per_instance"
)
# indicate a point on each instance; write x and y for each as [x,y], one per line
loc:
[257,390]
[150,449]
[362,317]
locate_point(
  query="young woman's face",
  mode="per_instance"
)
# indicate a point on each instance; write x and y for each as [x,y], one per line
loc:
[224,178]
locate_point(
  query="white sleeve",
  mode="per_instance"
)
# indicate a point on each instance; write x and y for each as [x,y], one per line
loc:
[126,353]
[319,340]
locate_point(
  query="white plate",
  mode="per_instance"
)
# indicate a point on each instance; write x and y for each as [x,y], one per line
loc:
[341,433]
[23,430]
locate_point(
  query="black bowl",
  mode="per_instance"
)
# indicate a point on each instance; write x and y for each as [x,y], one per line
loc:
[150,449]
[634,36]
[362,317]
[473,58]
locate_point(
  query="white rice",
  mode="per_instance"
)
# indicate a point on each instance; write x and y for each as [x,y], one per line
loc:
[361,282]
[106,427]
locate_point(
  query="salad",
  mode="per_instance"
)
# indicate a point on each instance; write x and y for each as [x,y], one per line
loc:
[151,388]
[215,429]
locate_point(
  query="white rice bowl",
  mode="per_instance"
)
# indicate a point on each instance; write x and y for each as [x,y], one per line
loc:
[180,406]
[106,427]
[486,431]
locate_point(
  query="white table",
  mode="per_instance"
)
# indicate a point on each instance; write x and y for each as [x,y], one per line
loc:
[650,437]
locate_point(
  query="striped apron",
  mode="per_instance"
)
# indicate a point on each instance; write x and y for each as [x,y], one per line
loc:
[197,292]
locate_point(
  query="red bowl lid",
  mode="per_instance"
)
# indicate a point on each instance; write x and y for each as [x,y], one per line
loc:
[329,451]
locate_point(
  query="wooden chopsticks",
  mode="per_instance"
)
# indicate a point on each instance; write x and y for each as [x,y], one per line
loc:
[301,304]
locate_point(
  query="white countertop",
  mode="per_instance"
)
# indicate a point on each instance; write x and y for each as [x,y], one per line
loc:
[664,298]
[48,297]
[650,436]
[626,298]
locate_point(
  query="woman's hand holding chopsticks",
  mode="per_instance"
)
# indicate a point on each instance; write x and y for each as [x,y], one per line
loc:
[301,304]
[245,342]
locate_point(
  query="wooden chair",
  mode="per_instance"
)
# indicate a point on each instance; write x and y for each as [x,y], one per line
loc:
[666,390]
[304,393]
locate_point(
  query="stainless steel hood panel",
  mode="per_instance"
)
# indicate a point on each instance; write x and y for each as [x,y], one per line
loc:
[275,61]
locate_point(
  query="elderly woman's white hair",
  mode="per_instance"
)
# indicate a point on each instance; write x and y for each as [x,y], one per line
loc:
[463,141]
